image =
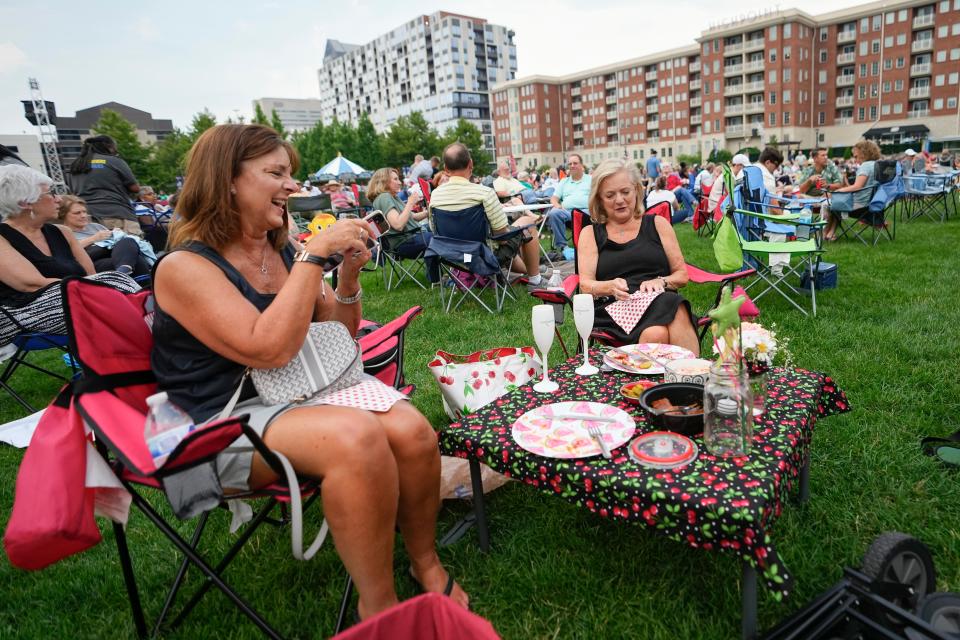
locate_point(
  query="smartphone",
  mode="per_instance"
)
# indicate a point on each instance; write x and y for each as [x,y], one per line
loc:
[336,259]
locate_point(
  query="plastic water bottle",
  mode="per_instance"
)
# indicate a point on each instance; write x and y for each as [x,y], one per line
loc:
[555,283]
[167,424]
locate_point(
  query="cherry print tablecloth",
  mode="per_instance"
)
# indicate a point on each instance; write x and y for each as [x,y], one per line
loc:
[711,503]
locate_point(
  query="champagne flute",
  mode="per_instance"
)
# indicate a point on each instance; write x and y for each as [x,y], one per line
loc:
[543,328]
[583,318]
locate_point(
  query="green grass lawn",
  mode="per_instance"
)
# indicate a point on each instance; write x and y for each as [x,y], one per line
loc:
[889,335]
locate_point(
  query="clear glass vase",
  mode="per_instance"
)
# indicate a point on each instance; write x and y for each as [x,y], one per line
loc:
[727,410]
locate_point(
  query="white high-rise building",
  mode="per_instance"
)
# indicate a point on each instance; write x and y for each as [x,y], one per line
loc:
[296,114]
[441,65]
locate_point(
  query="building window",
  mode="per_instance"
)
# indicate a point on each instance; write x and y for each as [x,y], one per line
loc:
[887,64]
[772,75]
[902,15]
[901,39]
[773,32]
[951,103]
[786,50]
[786,96]
[876,22]
[821,97]
[898,85]
[787,30]
[823,34]
[938,103]
[863,70]
[786,118]
[875,46]
[864,25]
[823,55]
[885,110]
[862,91]
[773,119]
[873,112]
[773,97]
[821,117]
[898,107]
[773,55]
[888,17]
[787,74]
[861,113]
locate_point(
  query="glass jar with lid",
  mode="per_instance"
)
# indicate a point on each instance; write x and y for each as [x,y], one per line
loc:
[727,410]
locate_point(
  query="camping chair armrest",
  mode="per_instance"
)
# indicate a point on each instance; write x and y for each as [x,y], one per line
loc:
[786,217]
[511,232]
[843,200]
[393,328]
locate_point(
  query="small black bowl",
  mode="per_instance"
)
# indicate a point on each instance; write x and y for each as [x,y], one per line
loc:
[679,394]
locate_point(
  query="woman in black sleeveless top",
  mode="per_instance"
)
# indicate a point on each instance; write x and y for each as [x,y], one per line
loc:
[232,296]
[627,252]
[35,255]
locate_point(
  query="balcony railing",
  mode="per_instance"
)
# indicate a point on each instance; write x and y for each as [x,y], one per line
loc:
[695,102]
[733,110]
[754,44]
[696,119]
[755,65]
[846,58]
[653,124]
[844,121]
[923,21]
[733,131]
[847,36]
[733,90]
[578,120]
[732,48]
[733,69]
[752,87]
[652,108]
[694,67]
[694,85]
[612,131]
[754,107]
[650,75]
[575,91]
[611,100]
[922,45]
[846,80]
[919,92]
[918,113]
[610,84]
[651,93]
[922,69]
[845,101]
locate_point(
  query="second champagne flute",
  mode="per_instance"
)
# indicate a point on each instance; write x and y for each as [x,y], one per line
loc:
[543,328]
[583,318]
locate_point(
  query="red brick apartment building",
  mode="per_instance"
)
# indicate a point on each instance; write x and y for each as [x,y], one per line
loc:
[887,70]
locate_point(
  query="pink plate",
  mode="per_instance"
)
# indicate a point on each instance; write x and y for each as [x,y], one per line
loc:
[540,431]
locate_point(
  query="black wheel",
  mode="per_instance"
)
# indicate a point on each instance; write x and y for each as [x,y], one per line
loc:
[942,611]
[898,557]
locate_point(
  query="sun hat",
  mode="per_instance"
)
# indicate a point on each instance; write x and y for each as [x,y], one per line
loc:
[910,152]
[306,183]
[740,158]
[332,183]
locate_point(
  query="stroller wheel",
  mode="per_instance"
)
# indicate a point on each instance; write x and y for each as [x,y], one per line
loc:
[901,558]
[942,611]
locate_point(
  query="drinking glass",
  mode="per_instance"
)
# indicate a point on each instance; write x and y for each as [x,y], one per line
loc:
[583,318]
[543,328]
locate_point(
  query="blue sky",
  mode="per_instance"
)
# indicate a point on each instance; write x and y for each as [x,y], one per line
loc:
[174,58]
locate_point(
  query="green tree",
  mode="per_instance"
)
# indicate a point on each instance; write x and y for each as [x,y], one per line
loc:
[409,136]
[367,150]
[131,150]
[468,134]
[169,160]
[277,124]
[341,138]
[720,156]
[200,123]
[259,117]
[312,147]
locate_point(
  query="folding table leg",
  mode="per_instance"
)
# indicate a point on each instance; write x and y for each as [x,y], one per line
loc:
[344,605]
[478,507]
[748,602]
[805,481]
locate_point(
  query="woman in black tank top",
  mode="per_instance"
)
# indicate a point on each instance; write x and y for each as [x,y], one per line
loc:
[232,296]
[628,252]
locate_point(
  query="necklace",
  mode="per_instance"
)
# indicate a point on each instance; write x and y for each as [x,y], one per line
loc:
[262,267]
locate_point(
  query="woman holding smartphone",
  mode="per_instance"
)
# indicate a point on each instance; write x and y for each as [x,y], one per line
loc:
[233,294]
[406,237]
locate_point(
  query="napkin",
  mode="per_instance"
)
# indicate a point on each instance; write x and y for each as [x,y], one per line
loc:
[627,313]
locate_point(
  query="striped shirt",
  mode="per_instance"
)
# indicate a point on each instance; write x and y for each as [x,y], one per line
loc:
[459,193]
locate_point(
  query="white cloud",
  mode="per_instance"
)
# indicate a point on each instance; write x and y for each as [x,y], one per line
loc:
[11,57]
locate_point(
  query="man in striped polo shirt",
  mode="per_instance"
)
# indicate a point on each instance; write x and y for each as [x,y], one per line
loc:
[459,193]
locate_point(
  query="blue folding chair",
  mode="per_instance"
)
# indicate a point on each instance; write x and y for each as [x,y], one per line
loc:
[928,194]
[27,343]
[459,247]
[873,218]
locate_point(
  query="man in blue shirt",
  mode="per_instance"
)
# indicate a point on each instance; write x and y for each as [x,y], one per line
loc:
[573,192]
[653,166]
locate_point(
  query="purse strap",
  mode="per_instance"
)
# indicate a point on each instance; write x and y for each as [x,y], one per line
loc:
[296,515]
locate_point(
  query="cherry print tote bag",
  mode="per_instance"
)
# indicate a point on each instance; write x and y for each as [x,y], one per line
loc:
[470,382]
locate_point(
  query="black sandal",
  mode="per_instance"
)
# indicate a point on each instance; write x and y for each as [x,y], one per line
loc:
[447,590]
[946,449]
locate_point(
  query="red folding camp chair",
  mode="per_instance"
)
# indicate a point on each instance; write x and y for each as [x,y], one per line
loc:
[662,209]
[111,339]
[429,616]
[425,188]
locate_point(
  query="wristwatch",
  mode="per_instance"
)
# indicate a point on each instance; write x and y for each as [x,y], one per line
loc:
[303,256]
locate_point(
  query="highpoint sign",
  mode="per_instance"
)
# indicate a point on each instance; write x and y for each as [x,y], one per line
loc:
[745,18]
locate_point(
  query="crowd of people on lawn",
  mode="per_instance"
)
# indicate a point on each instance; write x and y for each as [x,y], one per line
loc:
[231,233]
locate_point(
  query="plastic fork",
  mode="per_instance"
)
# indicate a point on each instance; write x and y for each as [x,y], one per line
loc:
[594,432]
